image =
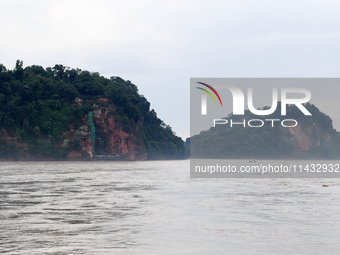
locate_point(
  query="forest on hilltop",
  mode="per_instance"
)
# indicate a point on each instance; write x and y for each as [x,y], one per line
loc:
[37,106]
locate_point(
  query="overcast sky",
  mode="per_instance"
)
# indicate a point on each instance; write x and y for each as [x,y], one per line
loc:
[158,45]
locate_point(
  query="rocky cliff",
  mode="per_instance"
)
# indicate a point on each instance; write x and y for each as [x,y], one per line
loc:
[110,138]
[308,137]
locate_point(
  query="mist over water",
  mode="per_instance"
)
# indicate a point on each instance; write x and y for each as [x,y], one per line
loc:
[153,207]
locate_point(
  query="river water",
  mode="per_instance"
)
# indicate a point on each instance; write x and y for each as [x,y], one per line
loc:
[153,207]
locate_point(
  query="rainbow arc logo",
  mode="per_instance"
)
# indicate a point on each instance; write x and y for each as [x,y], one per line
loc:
[209,93]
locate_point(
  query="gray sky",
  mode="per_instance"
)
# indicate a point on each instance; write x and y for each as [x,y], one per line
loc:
[158,45]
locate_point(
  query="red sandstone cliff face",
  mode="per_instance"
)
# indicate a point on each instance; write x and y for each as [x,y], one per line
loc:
[110,138]
[306,138]
[79,141]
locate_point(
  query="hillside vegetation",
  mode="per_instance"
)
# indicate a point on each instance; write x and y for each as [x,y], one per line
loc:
[37,106]
[313,137]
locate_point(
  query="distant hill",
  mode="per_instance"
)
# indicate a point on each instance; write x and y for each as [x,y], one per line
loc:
[61,113]
[313,137]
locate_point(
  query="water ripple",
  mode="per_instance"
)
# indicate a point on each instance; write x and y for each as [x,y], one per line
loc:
[155,208]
